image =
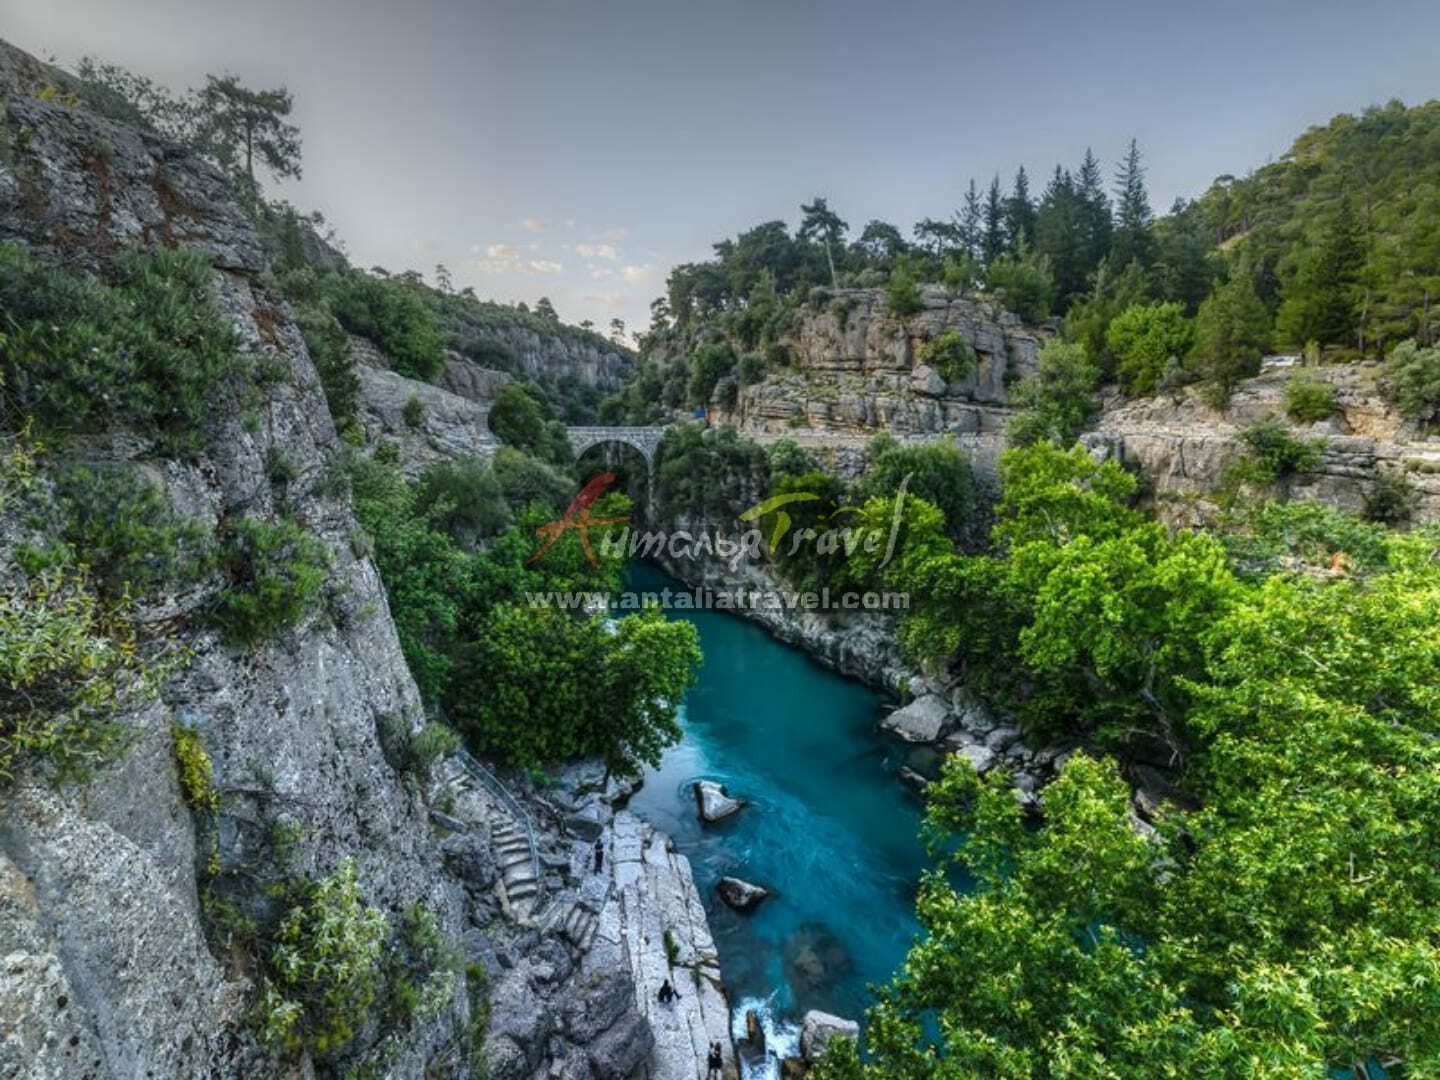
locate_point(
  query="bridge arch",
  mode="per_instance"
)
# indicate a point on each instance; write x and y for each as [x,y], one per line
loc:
[644,439]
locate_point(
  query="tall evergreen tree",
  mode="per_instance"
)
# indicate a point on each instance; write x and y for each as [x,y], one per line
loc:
[1132,212]
[1319,299]
[1020,214]
[971,221]
[992,243]
[1095,225]
[1060,236]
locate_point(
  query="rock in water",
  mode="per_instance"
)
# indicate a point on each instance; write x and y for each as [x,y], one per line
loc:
[819,1029]
[919,722]
[913,780]
[754,1033]
[814,958]
[741,895]
[713,803]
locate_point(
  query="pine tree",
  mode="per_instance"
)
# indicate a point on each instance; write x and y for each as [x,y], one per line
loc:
[1060,236]
[1132,212]
[992,244]
[1020,214]
[1095,226]
[971,217]
[1318,299]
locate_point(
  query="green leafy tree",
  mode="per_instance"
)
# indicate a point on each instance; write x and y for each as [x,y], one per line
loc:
[1059,398]
[1412,381]
[823,225]
[1144,339]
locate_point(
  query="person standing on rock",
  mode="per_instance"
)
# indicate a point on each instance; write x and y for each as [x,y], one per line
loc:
[667,993]
[599,855]
[715,1063]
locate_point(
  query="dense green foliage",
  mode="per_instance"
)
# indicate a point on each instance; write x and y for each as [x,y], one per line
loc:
[1412,381]
[1059,398]
[322,967]
[950,355]
[519,420]
[275,572]
[1146,339]
[1309,400]
[1284,924]
[146,347]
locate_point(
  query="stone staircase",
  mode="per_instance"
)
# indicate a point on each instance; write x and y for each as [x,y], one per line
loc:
[516,857]
[579,926]
[512,836]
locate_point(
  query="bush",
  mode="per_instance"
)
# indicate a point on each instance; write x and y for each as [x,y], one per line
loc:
[420,970]
[323,966]
[463,498]
[1308,400]
[1144,338]
[1393,500]
[950,355]
[902,294]
[127,532]
[68,668]
[430,744]
[149,349]
[708,366]
[1412,381]
[275,572]
[1279,453]
[1058,398]
[414,411]
[391,313]
[197,773]
[329,351]
[1231,331]
[751,369]
[524,480]
[518,419]
[1025,283]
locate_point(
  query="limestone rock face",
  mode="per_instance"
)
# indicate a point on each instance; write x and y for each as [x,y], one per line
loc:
[449,426]
[819,1029]
[712,803]
[741,895]
[921,721]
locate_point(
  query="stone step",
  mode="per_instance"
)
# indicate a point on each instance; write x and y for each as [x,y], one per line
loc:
[522,890]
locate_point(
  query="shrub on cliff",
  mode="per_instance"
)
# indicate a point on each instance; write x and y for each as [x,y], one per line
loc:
[147,347]
[1058,399]
[1308,400]
[275,572]
[1024,282]
[322,967]
[390,313]
[949,354]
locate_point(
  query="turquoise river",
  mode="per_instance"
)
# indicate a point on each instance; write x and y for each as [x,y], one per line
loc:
[828,827]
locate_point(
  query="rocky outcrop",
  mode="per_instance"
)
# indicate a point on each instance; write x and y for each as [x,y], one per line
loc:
[438,426]
[712,802]
[921,721]
[857,369]
[107,885]
[820,1029]
[1182,446]
[741,895]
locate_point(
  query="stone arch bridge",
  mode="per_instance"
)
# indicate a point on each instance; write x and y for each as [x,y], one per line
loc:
[644,439]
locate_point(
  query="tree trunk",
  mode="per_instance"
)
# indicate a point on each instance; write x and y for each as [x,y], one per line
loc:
[834,284]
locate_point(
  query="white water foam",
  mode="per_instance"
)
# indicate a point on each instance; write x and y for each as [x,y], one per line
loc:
[782,1039]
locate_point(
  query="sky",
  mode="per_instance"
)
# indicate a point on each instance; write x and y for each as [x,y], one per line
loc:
[578,150]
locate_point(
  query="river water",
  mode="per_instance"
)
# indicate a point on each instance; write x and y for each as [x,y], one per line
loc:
[829,827]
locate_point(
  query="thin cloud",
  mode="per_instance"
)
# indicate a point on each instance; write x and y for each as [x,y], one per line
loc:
[533,224]
[502,251]
[596,251]
[638,275]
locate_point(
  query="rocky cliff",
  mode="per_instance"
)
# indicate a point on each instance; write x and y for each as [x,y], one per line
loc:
[118,902]
[857,369]
[1182,446]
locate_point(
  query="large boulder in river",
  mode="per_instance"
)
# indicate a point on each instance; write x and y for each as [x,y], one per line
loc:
[818,1031]
[741,895]
[919,722]
[813,958]
[713,803]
